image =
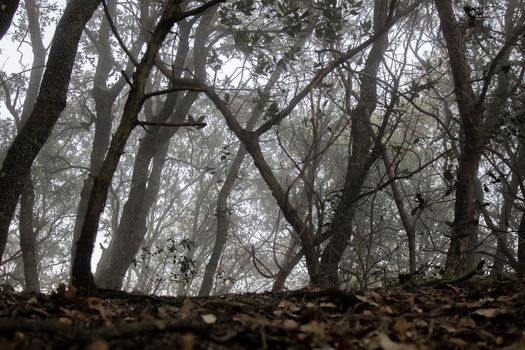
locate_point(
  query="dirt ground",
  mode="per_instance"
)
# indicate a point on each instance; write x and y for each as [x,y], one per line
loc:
[479,314]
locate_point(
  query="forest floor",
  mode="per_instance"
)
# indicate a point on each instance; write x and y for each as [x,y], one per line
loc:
[479,314]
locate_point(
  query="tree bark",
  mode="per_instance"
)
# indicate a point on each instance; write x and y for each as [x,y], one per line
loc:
[50,102]
[28,238]
[7,11]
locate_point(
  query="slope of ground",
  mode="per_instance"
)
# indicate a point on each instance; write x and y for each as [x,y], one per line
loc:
[480,314]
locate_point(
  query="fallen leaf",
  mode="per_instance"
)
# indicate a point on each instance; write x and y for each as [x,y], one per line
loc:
[458,342]
[188,341]
[98,344]
[186,309]
[401,326]
[290,324]
[328,305]
[488,313]
[387,344]
[314,327]
[209,318]
[288,305]
[366,300]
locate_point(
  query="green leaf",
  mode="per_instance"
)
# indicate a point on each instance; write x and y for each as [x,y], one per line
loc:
[448,175]
[273,109]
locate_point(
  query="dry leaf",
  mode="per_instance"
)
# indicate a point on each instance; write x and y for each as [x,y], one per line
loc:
[98,344]
[288,305]
[186,309]
[401,326]
[188,341]
[314,327]
[387,344]
[328,305]
[290,324]
[209,318]
[488,313]
[366,300]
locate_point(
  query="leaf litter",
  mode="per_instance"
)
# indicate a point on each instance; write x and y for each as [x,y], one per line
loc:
[478,314]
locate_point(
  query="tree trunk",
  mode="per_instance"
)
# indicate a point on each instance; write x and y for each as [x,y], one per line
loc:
[28,243]
[28,238]
[104,98]
[464,235]
[521,245]
[222,211]
[7,12]
[129,237]
[360,156]
[81,270]
[50,102]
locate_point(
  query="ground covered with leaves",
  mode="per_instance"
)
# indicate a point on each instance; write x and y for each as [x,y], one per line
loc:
[476,315]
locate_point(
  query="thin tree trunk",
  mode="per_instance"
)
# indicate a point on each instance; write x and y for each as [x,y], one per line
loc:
[28,243]
[28,238]
[50,102]
[222,211]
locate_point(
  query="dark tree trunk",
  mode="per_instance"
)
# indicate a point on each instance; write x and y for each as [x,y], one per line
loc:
[360,156]
[7,12]
[460,257]
[82,276]
[50,102]
[104,98]
[521,245]
[129,237]
[28,238]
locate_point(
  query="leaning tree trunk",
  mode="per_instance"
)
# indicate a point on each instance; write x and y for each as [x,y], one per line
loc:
[82,276]
[104,98]
[360,156]
[144,188]
[50,102]
[222,211]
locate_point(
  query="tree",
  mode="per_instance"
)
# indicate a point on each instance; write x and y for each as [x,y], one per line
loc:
[49,104]
[464,235]
[81,269]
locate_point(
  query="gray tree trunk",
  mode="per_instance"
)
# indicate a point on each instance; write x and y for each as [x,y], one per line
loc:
[28,243]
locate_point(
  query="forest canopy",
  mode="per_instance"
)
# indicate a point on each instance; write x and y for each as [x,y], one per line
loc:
[206,147]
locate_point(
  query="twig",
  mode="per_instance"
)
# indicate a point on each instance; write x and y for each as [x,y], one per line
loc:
[117,35]
[465,277]
[175,125]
